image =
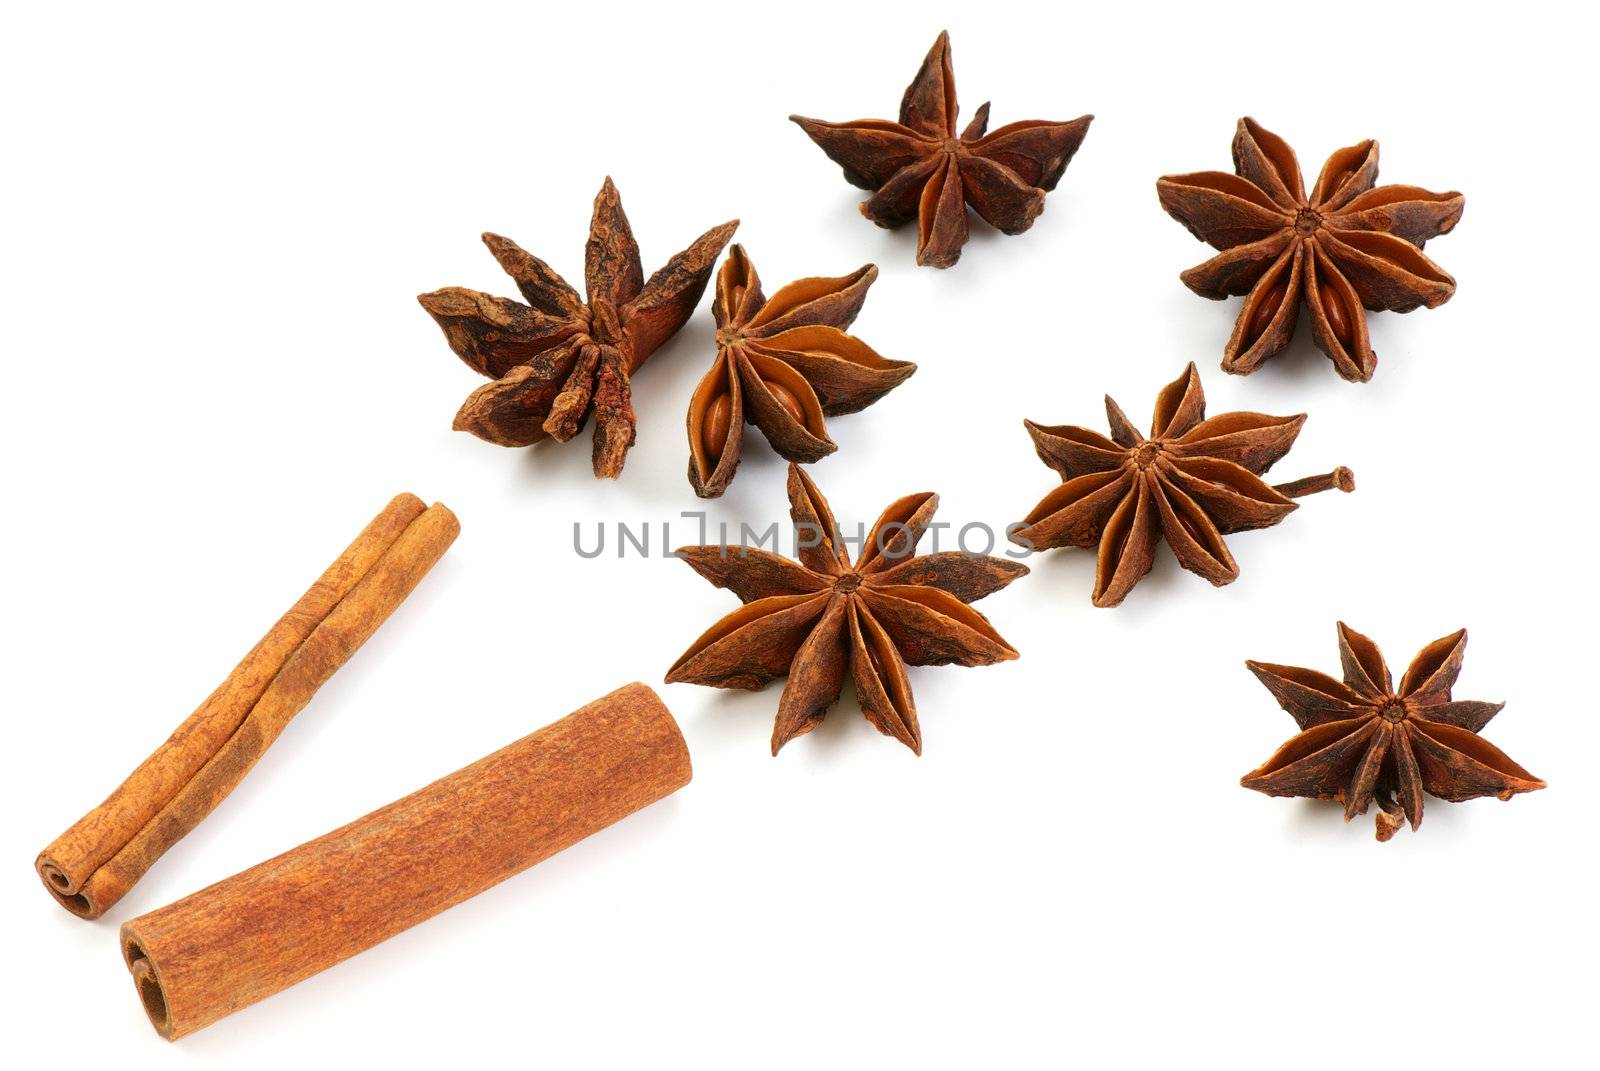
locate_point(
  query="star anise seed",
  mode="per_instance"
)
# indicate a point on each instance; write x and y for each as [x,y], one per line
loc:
[783,364]
[919,168]
[1191,482]
[818,618]
[558,359]
[1346,247]
[1363,740]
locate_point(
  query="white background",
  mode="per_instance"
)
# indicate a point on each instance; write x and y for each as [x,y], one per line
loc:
[215,225]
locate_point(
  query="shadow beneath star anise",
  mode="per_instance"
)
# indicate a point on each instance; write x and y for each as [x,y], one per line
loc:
[757,491]
[662,386]
[828,741]
[1066,575]
[899,244]
[738,721]
[983,240]
[1300,361]
[732,720]
[550,464]
[1322,822]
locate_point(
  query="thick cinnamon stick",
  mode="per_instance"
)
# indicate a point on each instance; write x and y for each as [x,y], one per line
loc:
[284,920]
[92,865]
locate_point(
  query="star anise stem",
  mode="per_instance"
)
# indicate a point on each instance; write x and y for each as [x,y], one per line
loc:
[1341,478]
[1189,483]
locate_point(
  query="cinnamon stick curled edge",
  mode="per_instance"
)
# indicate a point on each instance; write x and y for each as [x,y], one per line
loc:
[281,921]
[92,865]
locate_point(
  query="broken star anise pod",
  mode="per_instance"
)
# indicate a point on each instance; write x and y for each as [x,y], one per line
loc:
[1191,482]
[1347,247]
[920,169]
[560,359]
[817,619]
[783,364]
[1363,740]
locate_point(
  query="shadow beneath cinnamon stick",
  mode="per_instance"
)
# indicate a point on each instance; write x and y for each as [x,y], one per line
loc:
[497,934]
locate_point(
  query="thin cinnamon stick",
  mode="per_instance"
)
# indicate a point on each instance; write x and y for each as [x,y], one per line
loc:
[92,865]
[281,921]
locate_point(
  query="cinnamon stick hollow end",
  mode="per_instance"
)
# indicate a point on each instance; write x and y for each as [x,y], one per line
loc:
[62,888]
[282,921]
[148,983]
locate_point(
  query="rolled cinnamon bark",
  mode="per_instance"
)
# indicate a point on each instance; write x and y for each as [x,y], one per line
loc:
[284,920]
[92,865]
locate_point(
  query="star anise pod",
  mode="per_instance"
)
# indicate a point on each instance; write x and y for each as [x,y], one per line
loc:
[815,619]
[920,169]
[558,359]
[1191,482]
[783,364]
[1347,247]
[1363,740]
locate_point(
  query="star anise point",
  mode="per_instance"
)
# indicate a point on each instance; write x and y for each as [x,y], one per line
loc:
[1364,740]
[823,616]
[1189,483]
[921,168]
[784,364]
[1343,247]
[559,361]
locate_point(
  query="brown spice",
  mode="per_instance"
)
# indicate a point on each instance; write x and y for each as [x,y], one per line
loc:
[815,619]
[1192,482]
[1345,247]
[92,865]
[263,930]
[558,360]
[784,364]
[1363,740]
[920,169]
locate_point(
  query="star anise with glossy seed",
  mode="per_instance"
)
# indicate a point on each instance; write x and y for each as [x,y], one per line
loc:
[1363,740]
[1347,247]
[558,360]
[920,169]
[1191,482]
[818,618]
[784,364]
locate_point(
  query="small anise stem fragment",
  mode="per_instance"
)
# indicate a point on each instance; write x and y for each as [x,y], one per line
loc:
[1341,478]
